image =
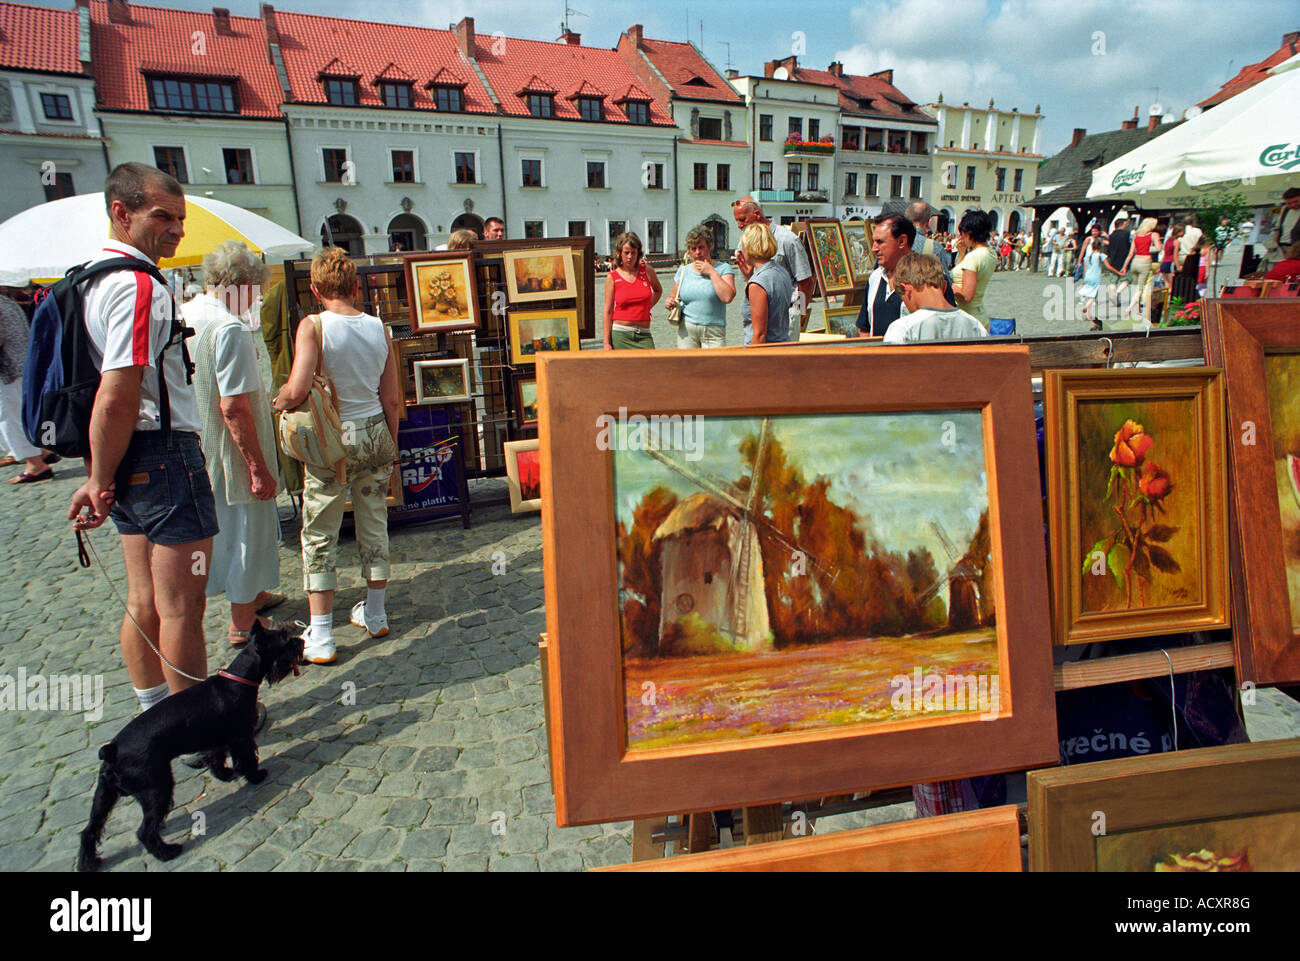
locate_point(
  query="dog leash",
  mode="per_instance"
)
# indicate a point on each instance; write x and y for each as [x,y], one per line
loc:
[81,551]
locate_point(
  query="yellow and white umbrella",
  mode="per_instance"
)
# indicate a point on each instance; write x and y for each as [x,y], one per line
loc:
[41,243]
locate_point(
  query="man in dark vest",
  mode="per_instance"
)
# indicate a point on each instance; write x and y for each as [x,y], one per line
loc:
[891,240]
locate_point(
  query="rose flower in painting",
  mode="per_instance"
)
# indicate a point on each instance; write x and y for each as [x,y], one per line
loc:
[1138,488]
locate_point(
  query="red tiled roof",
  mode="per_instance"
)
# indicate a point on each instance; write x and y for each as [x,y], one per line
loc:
[446,78]
[308,42]
[679,63]
[634,93]
[38,38]
[587,90]
[1252,74]
[561,66]
[885,100]
[394,72]
[162,41]
[535,84]
[338,67]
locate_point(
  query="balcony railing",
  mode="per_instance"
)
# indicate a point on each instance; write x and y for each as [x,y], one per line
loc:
[776,196]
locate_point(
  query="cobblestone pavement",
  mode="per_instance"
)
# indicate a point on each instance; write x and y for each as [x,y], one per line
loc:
[413,752]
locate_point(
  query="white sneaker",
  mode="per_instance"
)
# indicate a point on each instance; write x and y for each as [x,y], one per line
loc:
[317,652]
[375,626]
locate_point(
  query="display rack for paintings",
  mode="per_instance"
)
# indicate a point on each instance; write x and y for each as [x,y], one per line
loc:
[491,417]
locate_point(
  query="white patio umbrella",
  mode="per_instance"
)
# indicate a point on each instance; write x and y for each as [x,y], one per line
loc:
[1249,145]
[41,243]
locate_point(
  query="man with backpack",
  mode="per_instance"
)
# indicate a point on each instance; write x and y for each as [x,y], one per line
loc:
[145,467]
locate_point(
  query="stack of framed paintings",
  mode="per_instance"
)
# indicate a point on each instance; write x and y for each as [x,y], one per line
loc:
[1136,481]
[753,602]
[1217,809]
[1257,342]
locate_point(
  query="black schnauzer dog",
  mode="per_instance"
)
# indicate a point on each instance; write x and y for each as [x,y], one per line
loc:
[214,718]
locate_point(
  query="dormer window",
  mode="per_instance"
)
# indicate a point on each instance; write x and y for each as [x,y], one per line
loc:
[449,99]
[541,104]
[193,96]
[396,95]
[341,92]
[637,112]
[591,108]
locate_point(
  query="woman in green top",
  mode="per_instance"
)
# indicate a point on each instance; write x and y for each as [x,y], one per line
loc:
[703,288]
[976,263]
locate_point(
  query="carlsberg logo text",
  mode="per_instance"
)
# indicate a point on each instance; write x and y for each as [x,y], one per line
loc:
[1281,155]
[1127,178]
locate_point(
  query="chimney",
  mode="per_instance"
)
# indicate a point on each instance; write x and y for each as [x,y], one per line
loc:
[836,69]
[1291,39]
[1079,134]
[733,74]
[119,11]
[1129,124]
[569,37]
[268,21]
[1153,121]
[465,37]
[885,75]
[222,17]
[790,63]
[634,34]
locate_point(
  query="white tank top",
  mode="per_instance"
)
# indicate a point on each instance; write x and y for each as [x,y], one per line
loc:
[356,350]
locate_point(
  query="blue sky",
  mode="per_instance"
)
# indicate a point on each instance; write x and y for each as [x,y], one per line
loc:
[1087,64]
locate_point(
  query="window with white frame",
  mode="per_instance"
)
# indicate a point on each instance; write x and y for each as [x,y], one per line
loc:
[466,165]
[171,160]
[238,164]
[530,174]
[336,163]
[534,229]
[403,163]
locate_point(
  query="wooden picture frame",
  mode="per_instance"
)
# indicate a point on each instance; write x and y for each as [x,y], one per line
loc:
[453,305]
[524,496]
[830,255]
[526,402]
[861,267]
[542,274]
[1242,336]
[523,348]
[1181,801]
[981,840]
[842,320]
[1169,477]
[598,778]
[429,391]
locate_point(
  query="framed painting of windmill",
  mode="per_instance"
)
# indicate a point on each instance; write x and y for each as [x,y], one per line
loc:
[748,604]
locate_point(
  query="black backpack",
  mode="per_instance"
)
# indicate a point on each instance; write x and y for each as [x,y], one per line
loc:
[61,379]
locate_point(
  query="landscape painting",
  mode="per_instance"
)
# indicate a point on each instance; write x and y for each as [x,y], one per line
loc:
[781,574]
[441,381]
[526,401]
[1260,842]
[857,244]
[524,475]
[1282,384]
[540,274]
[1140,505]
[832,261]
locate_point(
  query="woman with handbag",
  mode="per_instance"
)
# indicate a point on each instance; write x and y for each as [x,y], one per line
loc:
[352,350]
[701,291]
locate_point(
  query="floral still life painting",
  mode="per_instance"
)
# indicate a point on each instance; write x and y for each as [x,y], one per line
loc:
[1136,482]
[1261,842]
[805,572]
[1140,496]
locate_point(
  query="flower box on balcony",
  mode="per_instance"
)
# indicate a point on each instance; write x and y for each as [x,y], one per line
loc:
[812,196]
[824,146]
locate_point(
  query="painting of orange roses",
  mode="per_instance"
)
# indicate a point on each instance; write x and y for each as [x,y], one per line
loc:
[1135,489]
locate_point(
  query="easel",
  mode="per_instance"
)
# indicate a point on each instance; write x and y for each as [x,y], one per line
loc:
[852,298]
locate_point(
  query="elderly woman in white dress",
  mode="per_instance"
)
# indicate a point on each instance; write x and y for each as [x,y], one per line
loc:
[238,436]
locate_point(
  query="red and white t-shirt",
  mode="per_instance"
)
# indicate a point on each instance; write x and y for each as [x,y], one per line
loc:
[129,318]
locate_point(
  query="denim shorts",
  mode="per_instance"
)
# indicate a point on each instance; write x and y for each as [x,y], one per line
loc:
[163,491]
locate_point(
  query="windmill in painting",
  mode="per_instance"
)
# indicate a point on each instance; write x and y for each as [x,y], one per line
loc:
[961,581]
[712,566]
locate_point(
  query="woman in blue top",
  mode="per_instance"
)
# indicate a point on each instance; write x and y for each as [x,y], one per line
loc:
[766,308]
[703,287]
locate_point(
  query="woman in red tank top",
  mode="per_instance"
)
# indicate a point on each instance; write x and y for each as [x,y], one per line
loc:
[631,289]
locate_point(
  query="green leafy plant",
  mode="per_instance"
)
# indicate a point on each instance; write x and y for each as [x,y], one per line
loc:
[1220,221]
